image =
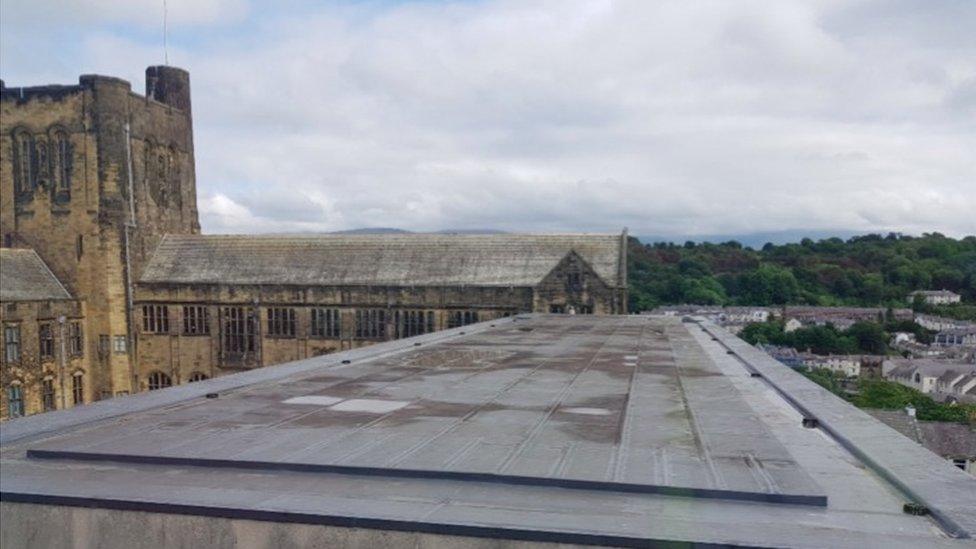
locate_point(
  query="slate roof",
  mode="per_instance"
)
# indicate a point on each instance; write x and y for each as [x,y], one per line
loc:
[385,259]
[927,367]
[946,439]
[25,277]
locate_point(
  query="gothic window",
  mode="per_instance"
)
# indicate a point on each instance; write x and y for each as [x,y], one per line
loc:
[239,330]
[197,376]
[174,163]
[412,323]
[11,343]
[41,167]
[196,320]
[61,156]
[281,322]
[23,154]
[159,380]
[78,388]
[456,319]
[371,324]
[45,338]
[47,394]
[104,345]
[148,151]
[162,165]
[155,319]
[15,400]
[75,339]
[325,323]
[574,281]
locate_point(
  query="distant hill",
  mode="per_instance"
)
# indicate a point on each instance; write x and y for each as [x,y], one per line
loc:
[373,230]
[394,230]
[753,240]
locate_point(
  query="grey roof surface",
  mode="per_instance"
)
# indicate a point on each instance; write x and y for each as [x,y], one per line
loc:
[578,429]
[25,277]
[378,259]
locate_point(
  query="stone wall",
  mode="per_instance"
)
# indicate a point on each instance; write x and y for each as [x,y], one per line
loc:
[59,363]
[91,176]
[180,355]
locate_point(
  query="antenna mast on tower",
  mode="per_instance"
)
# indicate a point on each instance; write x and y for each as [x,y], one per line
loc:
[165,45]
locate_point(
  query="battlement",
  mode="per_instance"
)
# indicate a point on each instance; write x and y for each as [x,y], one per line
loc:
[167,85]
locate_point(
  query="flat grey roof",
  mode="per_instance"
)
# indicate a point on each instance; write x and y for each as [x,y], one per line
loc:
[578,429]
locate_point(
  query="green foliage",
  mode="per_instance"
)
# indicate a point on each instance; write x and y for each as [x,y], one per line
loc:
[863,337]
[870,270]
[921,334]
[888,395]
[959,311]
[825,378]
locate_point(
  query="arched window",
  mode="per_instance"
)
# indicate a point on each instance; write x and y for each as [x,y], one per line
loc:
[148,150]
[15,400]
[159,380]
[42,167]
[78,388]
[23,153]
[918,378]
[47,394]
[197,376]
[61,160]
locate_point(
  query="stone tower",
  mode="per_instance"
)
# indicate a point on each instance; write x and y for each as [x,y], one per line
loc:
[91,177]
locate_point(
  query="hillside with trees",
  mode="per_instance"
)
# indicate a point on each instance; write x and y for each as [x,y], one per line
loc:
[869,271]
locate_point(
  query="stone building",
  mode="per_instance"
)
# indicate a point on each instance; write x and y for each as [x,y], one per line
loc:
[97,182]
[216,304]
[45,359]
[935,297]
[91,176]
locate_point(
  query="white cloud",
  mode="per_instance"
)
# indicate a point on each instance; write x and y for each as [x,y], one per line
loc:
[667,117]
[147,13]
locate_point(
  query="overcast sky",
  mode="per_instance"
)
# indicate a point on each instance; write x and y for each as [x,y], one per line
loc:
[670,118]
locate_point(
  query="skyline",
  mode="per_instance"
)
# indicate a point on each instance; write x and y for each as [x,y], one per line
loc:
[572,116]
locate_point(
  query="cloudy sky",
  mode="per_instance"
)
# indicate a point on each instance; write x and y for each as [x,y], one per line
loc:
[667,117]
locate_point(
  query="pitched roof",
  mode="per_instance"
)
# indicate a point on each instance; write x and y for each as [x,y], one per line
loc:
[941,437]
[25,277]
[949,439]
[378,259]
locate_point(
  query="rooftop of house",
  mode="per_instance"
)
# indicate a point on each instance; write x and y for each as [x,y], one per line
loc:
[929,367]
[943,438]
[25,277]
[380,259]
[935,293]
[614,430]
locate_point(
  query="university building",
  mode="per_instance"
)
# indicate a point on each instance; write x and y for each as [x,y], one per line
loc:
[98,197]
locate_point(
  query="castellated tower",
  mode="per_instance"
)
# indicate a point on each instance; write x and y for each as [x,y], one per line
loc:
[91,177]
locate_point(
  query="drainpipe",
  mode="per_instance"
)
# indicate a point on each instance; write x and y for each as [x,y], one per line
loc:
[129,224]
[61,363]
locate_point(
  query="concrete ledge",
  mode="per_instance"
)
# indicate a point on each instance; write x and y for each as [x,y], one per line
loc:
[378,532]
[818,500]
[948,493]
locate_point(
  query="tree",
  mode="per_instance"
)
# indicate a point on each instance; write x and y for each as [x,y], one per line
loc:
[870,337]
